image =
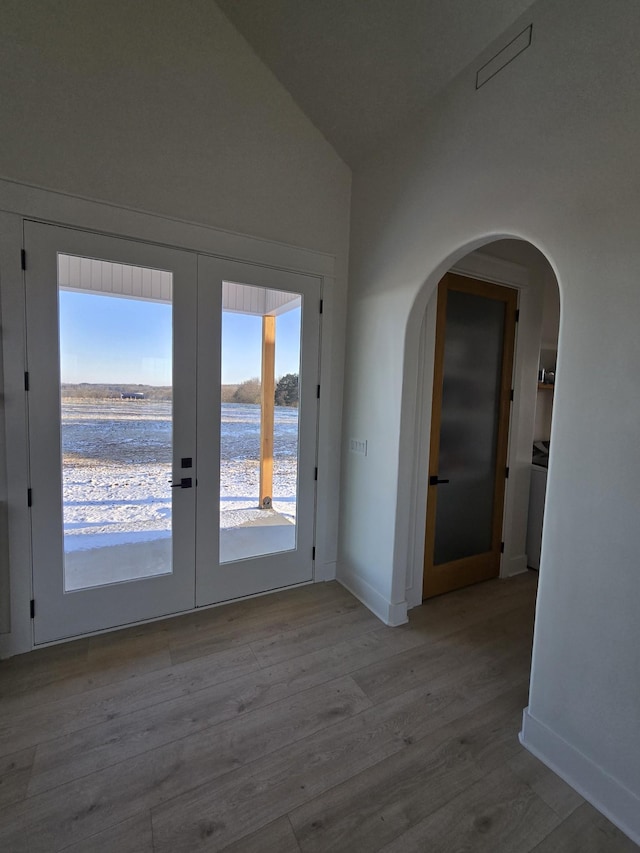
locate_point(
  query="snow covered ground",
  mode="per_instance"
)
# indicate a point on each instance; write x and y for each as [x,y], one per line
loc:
[117,473]
[239,466]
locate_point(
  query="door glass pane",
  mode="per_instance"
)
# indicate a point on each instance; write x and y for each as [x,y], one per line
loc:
[261,330]
[469,425]
[116,420]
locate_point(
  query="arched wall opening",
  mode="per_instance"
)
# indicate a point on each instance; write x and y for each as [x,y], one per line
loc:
[515,262]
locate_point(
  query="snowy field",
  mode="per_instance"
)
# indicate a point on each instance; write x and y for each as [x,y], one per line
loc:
[117,468]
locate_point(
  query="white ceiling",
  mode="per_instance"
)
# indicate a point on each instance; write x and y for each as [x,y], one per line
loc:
[361,68]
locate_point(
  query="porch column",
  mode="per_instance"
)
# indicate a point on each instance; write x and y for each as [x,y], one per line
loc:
[267,399]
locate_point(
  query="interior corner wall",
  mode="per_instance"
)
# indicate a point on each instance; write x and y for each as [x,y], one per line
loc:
[546,151]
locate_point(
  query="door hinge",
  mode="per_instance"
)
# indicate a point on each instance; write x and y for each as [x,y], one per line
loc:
[315,476]
[23,259]
[502,547]
[29,497]
[511,395]
[318,393]
[321,305]
[313,553]
[26,380]
[517,315]
[506,473]
[32,608]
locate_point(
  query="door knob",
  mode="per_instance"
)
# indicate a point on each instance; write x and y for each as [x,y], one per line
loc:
[434,481]
[185,483]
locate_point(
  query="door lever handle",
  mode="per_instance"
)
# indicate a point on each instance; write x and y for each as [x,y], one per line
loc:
[185,483]
[434,481]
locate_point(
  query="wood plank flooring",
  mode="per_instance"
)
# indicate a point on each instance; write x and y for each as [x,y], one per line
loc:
[292,723]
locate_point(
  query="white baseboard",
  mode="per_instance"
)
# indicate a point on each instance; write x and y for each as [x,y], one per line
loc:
[324,572]
[390,614]
[397,614]
[616,802]
[513,566]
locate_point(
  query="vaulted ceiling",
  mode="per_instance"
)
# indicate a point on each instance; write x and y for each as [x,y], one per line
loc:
[360,69]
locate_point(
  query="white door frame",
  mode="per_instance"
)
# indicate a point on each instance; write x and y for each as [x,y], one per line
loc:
[19,202]
[215,581]
[80,611]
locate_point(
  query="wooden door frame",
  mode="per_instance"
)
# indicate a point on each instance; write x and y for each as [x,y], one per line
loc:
[480,567]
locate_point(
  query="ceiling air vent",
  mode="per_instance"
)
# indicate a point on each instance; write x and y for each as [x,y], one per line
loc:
[515,47]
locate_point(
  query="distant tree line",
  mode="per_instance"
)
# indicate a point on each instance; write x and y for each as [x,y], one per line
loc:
[98,391]
[286,392]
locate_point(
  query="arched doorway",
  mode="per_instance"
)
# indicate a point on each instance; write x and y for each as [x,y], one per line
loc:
[512,263]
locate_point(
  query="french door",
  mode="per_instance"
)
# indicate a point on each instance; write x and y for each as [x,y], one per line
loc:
[146,486]
[256,505]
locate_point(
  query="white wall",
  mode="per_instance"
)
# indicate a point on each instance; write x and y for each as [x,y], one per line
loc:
[550,322]
[546,151]
[5,617]
[529,330]
[548,359]
[161,106]
[544,415]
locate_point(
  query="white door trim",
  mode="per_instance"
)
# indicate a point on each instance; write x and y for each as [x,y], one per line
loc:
[62,209]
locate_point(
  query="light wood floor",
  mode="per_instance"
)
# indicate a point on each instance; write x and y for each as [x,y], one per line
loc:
[293,722]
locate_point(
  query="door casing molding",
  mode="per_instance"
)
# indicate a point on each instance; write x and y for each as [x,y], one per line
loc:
[20,201]
[59,208]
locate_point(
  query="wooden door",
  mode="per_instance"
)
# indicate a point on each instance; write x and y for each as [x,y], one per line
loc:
[475,334]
